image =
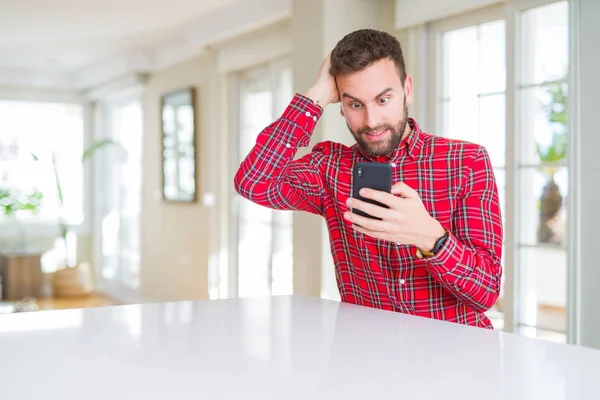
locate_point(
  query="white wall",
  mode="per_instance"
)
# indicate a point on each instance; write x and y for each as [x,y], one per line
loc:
[177,239]
[410,13]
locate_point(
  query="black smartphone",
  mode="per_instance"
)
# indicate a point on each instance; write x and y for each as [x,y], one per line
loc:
[372,175]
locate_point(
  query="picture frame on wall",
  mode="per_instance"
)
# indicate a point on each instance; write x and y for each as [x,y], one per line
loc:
[178,137]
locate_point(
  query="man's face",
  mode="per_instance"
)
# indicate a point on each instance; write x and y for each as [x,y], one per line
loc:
[374,103]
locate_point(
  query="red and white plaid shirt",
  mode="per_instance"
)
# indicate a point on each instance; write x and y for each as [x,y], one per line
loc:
[456,183]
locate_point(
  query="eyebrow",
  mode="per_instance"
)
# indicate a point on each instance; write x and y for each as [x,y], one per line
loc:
[346,95]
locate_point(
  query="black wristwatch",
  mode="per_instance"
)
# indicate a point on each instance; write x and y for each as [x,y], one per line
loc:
[439,243]
[437,246]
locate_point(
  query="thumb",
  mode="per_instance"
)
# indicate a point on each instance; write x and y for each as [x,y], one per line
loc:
[404,190]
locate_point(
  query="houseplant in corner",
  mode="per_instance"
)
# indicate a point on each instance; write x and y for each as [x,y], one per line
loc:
[13,203]
[71,278]
[550,228]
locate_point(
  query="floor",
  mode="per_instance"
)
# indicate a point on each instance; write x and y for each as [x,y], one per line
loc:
[552,319]
[61,303]
[55,303]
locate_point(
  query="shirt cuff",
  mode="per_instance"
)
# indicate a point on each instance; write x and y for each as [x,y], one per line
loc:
[303,114]
[447,258]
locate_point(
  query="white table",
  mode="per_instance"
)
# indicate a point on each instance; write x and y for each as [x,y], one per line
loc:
[277,348]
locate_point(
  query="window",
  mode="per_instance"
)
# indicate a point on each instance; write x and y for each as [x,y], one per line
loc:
[472,98]
[264,236]
[120,196]
[48,131]
[542,170]
[478,82]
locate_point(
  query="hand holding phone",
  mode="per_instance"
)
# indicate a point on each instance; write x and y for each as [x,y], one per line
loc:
[372,175]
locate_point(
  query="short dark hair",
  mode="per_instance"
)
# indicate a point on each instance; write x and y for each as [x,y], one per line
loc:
[359,49]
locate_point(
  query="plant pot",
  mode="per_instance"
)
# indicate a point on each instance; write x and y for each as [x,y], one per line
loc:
[550,229]
[72,281]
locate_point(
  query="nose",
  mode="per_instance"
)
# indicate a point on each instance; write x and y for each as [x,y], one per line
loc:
[372,119]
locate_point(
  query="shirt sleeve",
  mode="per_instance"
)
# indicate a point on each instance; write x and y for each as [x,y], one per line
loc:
[270,176]
[469,263]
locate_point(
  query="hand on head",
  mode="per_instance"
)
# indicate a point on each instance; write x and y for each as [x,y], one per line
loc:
[324,90]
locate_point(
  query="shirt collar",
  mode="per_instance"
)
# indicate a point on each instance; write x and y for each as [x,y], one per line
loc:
[409,146]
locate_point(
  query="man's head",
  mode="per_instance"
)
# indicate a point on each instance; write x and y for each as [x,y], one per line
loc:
[374,89]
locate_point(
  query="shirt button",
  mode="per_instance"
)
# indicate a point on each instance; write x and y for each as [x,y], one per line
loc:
[393,164]
[402,281]
[308,113]
[315,119]
[288,145]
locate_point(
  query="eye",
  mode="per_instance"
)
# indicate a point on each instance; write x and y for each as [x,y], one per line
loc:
[383,100]
[355,105]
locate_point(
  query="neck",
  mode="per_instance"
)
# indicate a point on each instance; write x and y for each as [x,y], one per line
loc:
[407,130]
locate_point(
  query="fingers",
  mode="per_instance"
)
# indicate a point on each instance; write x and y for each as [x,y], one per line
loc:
[382,197]
[376,234]
[371,209]
[370,224]
[404,190]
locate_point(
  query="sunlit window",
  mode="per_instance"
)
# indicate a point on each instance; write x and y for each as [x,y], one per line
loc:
[264,236]
[543,170]
[121,206]
[38,143]
[472,101]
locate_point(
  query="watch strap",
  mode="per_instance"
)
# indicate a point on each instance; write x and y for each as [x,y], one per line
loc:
[439,243]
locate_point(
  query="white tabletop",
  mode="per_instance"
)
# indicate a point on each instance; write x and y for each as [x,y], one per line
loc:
[278,348]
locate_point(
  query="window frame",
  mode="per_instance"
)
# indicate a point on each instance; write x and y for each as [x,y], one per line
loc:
[228,274]
[101,122]
[509,11]
[436,55]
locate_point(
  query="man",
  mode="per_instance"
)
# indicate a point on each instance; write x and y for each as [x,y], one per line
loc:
[436,250]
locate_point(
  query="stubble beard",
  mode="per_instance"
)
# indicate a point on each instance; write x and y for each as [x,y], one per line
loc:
[382,148]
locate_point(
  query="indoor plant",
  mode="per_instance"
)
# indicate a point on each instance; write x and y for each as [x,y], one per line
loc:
[14,202]
[550,228]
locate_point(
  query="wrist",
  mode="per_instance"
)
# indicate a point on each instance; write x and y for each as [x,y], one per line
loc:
[318,96]
[435,232]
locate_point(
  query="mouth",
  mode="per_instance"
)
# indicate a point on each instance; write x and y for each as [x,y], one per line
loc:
[376,135]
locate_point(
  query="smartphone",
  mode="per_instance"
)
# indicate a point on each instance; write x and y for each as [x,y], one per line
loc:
[372,175]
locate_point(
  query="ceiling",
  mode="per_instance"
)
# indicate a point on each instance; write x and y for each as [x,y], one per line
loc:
[75,44]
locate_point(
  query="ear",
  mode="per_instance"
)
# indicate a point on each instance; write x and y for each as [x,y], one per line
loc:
[408,89]
[341,111]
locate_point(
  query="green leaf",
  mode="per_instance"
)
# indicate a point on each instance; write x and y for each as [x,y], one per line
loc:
[556,111]
[95,147]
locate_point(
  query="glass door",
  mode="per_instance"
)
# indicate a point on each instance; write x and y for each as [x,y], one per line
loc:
[119,200]
[542,170]
[503,84]
[262,263]
[471,101]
